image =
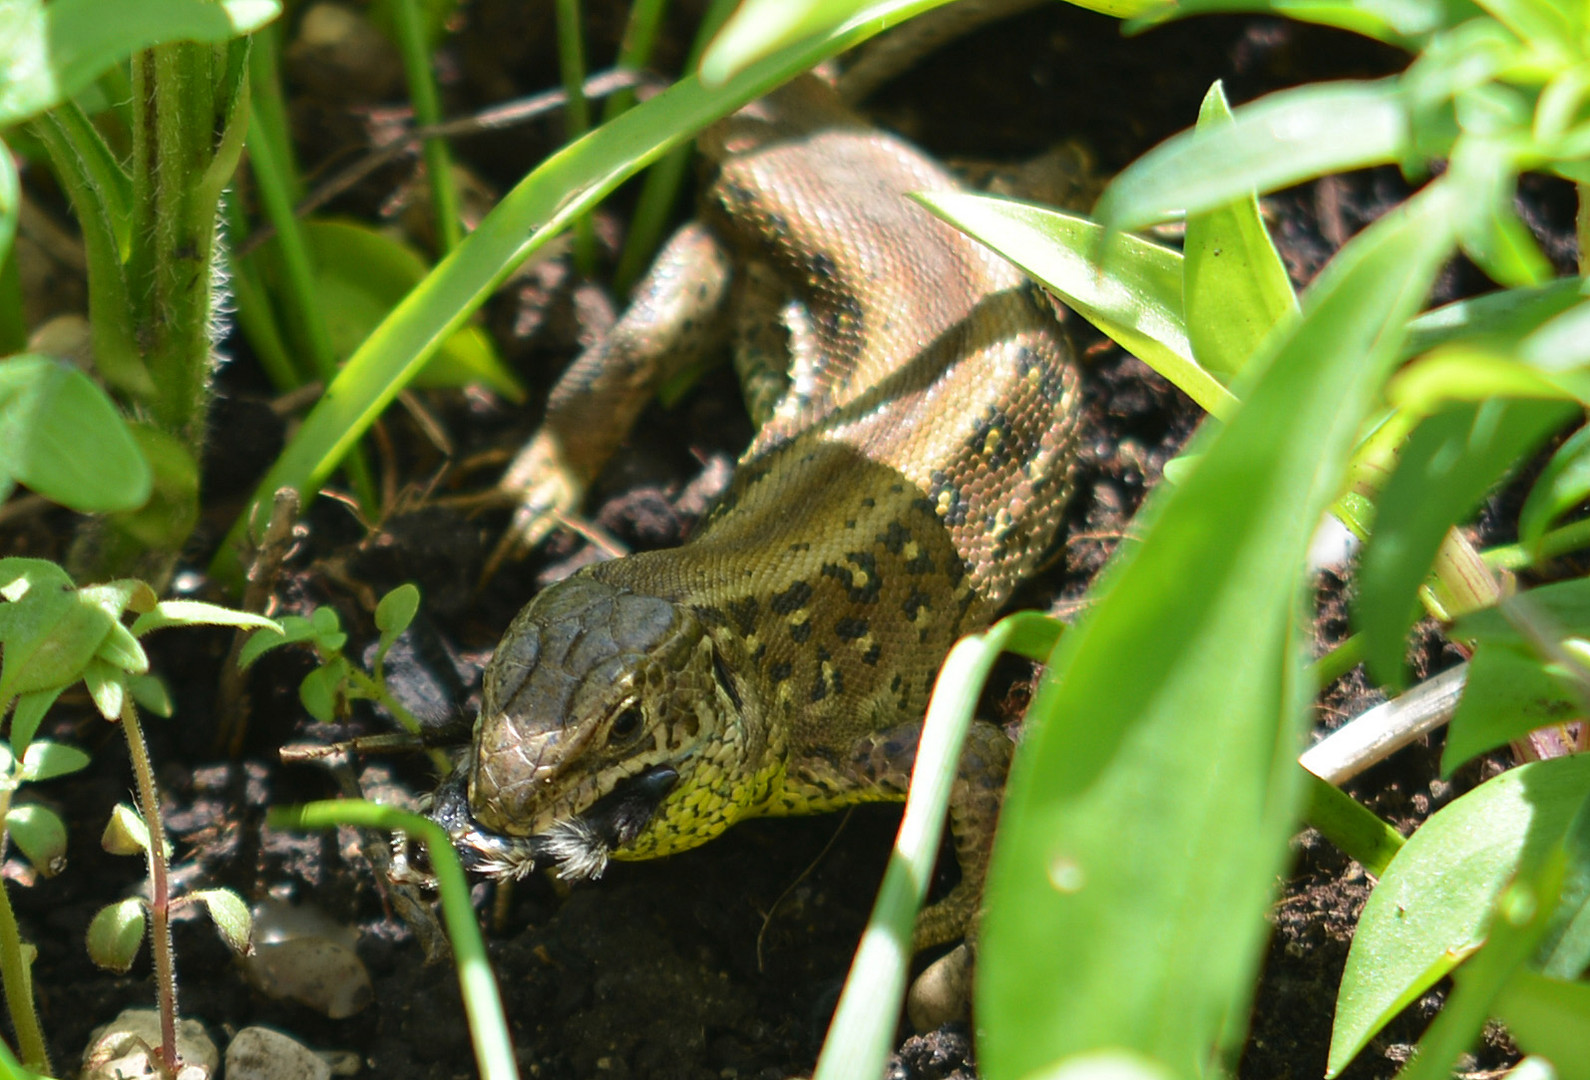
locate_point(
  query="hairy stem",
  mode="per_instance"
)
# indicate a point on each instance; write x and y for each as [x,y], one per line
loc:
[159,886]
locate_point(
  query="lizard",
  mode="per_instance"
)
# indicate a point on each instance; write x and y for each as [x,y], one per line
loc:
[910,467]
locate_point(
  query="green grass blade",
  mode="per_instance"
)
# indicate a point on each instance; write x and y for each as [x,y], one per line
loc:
[1135,298]
[1279,140]
[535,211]
[862,1032]
[488,1027]
[1234,286]
[414,45]
[1445,469]
[1149,806]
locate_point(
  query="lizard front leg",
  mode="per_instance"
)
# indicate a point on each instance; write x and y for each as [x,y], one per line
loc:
[878,768]
[678,315]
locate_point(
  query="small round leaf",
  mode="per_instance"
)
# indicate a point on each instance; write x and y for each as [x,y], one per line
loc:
[41,836]
[125,833]
[115,934]
[396,610]
[231,916]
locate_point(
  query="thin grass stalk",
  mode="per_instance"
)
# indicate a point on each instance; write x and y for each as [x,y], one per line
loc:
[576,115]
[661,188]
[426,101]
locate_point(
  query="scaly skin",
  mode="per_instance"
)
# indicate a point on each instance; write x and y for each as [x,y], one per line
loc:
[909,470]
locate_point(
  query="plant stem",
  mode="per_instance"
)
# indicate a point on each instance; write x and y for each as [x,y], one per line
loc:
[406,17]
[1582,228]
[159,885]
[18,980]
[576,115]
[190,105]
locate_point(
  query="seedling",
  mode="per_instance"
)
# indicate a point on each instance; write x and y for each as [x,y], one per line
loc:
[54,634]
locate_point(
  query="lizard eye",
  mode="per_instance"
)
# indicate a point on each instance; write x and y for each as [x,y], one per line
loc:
[625,726]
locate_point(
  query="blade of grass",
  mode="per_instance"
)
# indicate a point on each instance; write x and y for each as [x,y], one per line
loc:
[412,43]
[488,1028]
[862,1032]
[1149,806]
[661,189]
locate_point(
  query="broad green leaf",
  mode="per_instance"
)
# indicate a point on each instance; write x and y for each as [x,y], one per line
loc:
[38,831]
[1471,373]
[1135,298]
[1508,694]
[48,635]
[1447,466]
[1431,908]
[1551,1018]
[196,613]
[115,935]
[1562,485]
[1560,342]
[1146,738]
[121,649]
[537,209]
[61,436]
[1565,952]
[48,52]
[1541,23]
[1494,237]
[45,760]
[1563,605]
[1279,140]
[107,686]
[361,274]
[1234,284]
[321,690]
[150,692]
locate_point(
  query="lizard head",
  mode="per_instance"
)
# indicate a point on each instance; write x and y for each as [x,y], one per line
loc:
[603,710]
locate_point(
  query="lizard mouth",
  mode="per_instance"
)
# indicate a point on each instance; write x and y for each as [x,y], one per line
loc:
[579,846]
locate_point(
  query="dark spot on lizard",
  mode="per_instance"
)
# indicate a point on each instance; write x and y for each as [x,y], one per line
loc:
[791,599]
[744,614]
[800,632]
[779,671]
[849,629]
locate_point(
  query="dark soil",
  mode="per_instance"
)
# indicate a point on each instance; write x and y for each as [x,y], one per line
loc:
[726,961]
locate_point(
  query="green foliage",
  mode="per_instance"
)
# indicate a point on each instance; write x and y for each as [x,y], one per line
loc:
[149,237]
[61,436]
[1432,908]
[326,691]
[54,634]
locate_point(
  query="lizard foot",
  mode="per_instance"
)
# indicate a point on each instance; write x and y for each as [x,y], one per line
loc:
[545,488]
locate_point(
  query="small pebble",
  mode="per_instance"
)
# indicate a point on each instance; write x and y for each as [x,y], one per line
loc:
[258,1053]
[120,1050]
